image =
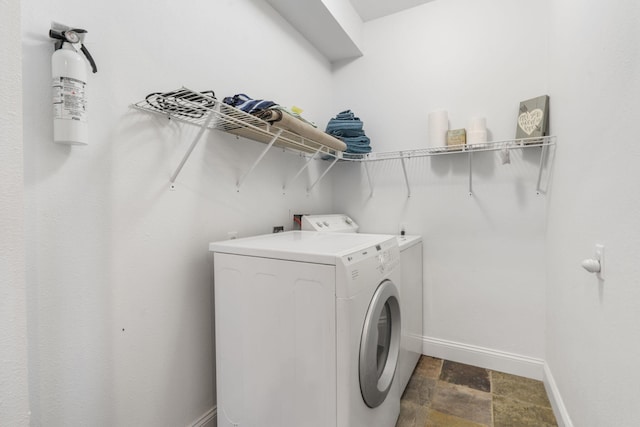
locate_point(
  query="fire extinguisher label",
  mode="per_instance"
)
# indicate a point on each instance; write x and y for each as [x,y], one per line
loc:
[69,99]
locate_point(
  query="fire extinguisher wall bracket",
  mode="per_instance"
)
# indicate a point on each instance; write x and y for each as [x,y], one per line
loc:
[69,80]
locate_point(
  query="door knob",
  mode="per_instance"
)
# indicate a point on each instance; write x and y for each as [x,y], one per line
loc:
[591,265]
[596,264]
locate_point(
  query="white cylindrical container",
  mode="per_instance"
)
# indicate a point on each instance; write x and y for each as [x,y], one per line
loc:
[478,123]
[69,81]
[438,127]
[477,133]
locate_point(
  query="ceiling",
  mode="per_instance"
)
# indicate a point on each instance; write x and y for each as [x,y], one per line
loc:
[334,27]
[372,9]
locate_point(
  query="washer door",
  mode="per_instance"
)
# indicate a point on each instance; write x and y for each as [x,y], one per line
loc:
[380,344]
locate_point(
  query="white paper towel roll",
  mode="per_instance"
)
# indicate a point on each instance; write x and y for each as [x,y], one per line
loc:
[476,136]
[477,133]
[478,123]
[438,127]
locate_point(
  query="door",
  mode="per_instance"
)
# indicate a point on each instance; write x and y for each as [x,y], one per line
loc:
[380,344]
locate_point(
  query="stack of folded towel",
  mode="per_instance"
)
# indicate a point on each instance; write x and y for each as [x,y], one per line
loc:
[347,127]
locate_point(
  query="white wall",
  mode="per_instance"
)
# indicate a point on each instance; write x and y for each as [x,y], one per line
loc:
[484,255]
[118,267]
[592,326]
[14,399]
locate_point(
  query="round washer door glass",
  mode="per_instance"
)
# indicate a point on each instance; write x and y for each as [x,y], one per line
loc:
[380,344]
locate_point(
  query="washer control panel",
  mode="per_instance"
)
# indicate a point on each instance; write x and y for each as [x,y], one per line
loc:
[336,223]
[385,256]
[368,267]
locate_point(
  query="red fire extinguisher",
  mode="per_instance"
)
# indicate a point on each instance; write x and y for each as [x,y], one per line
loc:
[69,81]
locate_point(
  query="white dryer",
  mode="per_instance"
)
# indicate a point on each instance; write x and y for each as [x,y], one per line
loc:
[410,288]
[307,330]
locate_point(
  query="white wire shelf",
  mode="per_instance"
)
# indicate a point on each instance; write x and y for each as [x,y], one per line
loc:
[203,110]
[200,109]
[452,149]
[206,112]
[545,142]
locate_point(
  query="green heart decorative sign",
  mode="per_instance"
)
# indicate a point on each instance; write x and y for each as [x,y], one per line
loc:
[530,120]
[533,117]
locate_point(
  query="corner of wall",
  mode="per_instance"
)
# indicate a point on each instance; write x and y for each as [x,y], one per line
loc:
[208,419]
[559,410]
[14,393]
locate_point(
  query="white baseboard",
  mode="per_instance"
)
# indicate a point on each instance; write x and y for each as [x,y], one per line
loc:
[208,419]
[560,411]
[496,360]
[477,356]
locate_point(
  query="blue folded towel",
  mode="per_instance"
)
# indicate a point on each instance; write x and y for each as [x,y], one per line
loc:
[349,128]
[246,104]
[346,133]
[346,115]
[359,150]
[334,125]
[358,144]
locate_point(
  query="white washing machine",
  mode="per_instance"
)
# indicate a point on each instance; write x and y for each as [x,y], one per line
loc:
[410,288]
[307,330]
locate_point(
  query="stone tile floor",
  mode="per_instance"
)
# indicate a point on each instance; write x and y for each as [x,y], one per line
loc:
[442,393]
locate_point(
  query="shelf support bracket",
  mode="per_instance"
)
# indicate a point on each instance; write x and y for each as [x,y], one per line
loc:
[404,171]
[258,160]
[203,128]
[366,169]
[323,174]
[543,156]
[306,165]
[470,173]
